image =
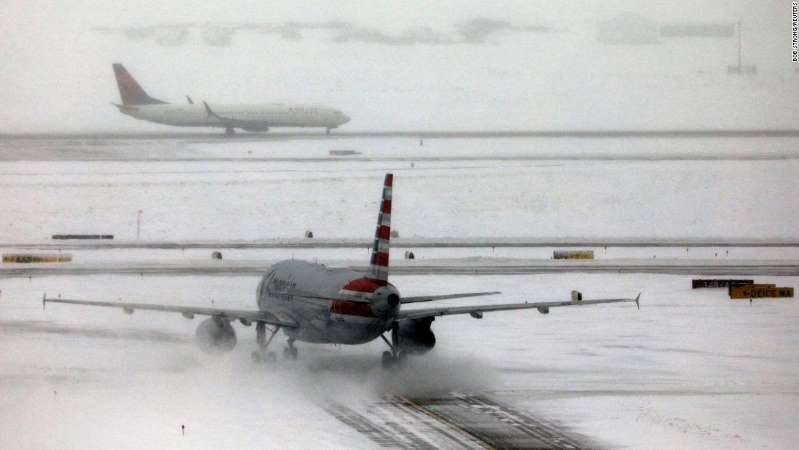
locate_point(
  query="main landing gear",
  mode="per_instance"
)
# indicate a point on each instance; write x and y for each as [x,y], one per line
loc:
[290,352]
[230,131]
[262,355]
[393,357]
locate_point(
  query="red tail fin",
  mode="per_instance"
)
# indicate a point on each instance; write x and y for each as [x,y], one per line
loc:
[129,89]
[378,265]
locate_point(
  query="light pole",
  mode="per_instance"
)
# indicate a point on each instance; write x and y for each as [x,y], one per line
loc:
[138,225]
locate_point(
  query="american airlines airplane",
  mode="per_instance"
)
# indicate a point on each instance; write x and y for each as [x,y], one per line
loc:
[317,304]
[136,103]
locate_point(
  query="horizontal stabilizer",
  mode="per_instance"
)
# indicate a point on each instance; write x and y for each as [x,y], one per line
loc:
[432,298]
[315,296]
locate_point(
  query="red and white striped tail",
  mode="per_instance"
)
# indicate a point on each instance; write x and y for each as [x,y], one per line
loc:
[378,265]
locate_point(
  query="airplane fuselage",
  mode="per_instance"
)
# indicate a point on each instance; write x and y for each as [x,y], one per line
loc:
[340,305]
[259,117]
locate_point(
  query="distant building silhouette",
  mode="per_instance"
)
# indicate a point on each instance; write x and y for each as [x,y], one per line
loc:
[628,29]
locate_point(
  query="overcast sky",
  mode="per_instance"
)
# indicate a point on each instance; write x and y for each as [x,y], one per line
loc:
[398,65]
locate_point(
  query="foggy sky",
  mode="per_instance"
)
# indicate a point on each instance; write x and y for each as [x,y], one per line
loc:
[414,65]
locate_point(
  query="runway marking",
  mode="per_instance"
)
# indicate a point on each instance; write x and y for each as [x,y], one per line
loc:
[535,427]
[499,425]
[444,420]
[393,424]
[394,420]
[459,421]
[365,426]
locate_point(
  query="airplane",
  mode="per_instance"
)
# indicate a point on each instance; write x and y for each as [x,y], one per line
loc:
[260,117]
[313,303]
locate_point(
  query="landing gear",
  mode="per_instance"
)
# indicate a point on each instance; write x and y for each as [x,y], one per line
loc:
[262,355]
[327,130]
[229,131]
[290,352]
[395,356]
[388,359]
[261,358]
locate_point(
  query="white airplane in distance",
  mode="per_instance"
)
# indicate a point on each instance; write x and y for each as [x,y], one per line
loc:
[316,304]
[257,117]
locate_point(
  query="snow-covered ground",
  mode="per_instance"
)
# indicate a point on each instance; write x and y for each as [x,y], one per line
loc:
[201,199]
[691,369]
[359,256]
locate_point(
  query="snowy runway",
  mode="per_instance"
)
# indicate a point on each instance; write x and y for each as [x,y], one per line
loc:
[453,266]
[691,369]
[454,422]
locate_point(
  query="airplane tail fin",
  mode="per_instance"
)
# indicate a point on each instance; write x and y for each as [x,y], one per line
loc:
[378,265]
[129,89]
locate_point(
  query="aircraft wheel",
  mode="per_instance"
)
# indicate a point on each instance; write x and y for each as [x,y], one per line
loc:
[262,358]
[402,357]
[388,360]
[290,352]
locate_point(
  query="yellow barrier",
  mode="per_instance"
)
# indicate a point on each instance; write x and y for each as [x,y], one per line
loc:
[24,258]
[573,254]
[753,291]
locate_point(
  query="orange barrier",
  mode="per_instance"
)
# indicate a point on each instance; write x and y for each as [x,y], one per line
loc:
[755,291]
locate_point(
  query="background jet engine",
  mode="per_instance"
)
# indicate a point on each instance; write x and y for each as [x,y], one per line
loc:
[215,335]
[415,336]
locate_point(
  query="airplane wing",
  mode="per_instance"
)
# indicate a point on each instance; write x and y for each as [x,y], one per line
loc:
[477,311]
[231,121]
[432,298]
[188,312]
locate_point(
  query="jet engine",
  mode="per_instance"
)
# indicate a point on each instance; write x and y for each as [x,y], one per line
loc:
[215,335]
[415,336]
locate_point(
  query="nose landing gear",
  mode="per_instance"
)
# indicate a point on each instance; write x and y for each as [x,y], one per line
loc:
[262,355]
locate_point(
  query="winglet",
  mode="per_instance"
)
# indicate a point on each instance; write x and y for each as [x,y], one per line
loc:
[210,112]
[637,297]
